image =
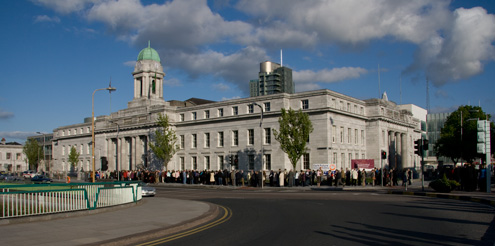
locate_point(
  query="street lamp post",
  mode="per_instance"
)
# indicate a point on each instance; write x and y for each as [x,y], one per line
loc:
[261,138]
[109,89]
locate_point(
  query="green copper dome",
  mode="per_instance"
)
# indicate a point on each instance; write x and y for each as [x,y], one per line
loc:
[148,54]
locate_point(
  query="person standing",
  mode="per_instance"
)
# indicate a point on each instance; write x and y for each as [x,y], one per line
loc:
[318,176]
[291,178]
[281,179]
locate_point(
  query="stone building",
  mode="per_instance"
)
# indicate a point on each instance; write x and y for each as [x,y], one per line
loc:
[227,134]
[12,157]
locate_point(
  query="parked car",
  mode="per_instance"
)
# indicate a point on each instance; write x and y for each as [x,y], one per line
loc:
[148,190]
[29,174]
[41,179]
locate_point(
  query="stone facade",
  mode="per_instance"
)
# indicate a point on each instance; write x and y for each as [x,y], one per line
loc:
[212,133]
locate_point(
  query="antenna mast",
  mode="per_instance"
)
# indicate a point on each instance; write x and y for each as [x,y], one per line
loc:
[281,61]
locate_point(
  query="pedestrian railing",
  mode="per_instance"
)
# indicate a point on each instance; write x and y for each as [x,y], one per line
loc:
[38,199]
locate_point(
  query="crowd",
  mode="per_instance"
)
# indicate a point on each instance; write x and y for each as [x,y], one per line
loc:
[468,176]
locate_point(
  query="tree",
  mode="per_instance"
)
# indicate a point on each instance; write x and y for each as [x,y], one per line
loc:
[32,149]
[293,133]
[164,145]
[450,144]
[73,157]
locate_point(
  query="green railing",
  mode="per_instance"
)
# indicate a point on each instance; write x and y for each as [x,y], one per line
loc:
[37,199]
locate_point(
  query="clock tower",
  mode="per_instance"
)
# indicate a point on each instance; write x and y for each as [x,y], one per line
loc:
[148,79]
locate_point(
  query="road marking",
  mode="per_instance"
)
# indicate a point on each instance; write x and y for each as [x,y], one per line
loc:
[227,215]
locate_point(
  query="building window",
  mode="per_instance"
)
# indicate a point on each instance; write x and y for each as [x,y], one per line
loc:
[348,107]
[268,162]
[334,158]
[181,117]
[267,107]
[306,161]
[207,114]
[251,162]
[349,131]
[235,138]
[194,116]
[341,134]
[194,141]
[350,159]
[250,108]
[207,163]
[63,150]
[305,104]
[356,136]
[268,137]
[194,162]
[19,157]
[334,133]
[362,111]
[182,141]
[342,160]
[220,162]
[88,130]
[207,140]
[235,110]
[9,156]
[220,112]
[182,164]
[220,139]
[250,136]
[362,137]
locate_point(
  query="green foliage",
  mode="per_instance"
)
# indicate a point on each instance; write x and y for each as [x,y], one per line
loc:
[33,150]
[293,133]
[73,156]
[164,145]
[444,185]
[450,144]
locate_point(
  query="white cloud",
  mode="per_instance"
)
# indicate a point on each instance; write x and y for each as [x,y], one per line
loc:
[130,63]
[45,18]
[231,98]
[190,36]
[307,87]
[221,87]
[172,82]
[18,135]
[353,21]
[328,76]
[65,6]
[5,115]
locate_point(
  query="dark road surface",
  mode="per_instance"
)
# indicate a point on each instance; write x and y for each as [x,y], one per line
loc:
[336,218]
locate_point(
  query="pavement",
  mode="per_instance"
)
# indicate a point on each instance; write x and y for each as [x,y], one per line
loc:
[157,217]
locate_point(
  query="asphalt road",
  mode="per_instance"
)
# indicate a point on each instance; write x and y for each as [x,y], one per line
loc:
[287,217]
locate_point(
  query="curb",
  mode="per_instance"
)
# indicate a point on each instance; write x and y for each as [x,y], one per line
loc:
[134,239]
[446,196]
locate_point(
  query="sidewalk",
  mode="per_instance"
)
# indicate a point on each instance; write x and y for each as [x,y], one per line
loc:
[156,216]
[150,217]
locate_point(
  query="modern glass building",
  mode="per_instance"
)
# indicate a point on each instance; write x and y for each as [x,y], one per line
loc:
[272,79]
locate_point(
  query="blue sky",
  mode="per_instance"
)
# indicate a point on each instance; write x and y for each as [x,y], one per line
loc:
[56,53]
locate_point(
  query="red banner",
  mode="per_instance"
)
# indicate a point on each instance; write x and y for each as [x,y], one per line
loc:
[363,163]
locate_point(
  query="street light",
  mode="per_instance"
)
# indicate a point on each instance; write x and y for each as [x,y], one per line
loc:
[262,150]
[109,89]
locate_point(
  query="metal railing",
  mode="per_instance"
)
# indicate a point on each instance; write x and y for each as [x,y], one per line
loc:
[38,199]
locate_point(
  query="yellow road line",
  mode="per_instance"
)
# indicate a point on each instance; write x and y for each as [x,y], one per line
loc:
[227,215]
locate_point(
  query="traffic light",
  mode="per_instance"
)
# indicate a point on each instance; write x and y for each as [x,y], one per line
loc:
[418,148]
[384,155]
